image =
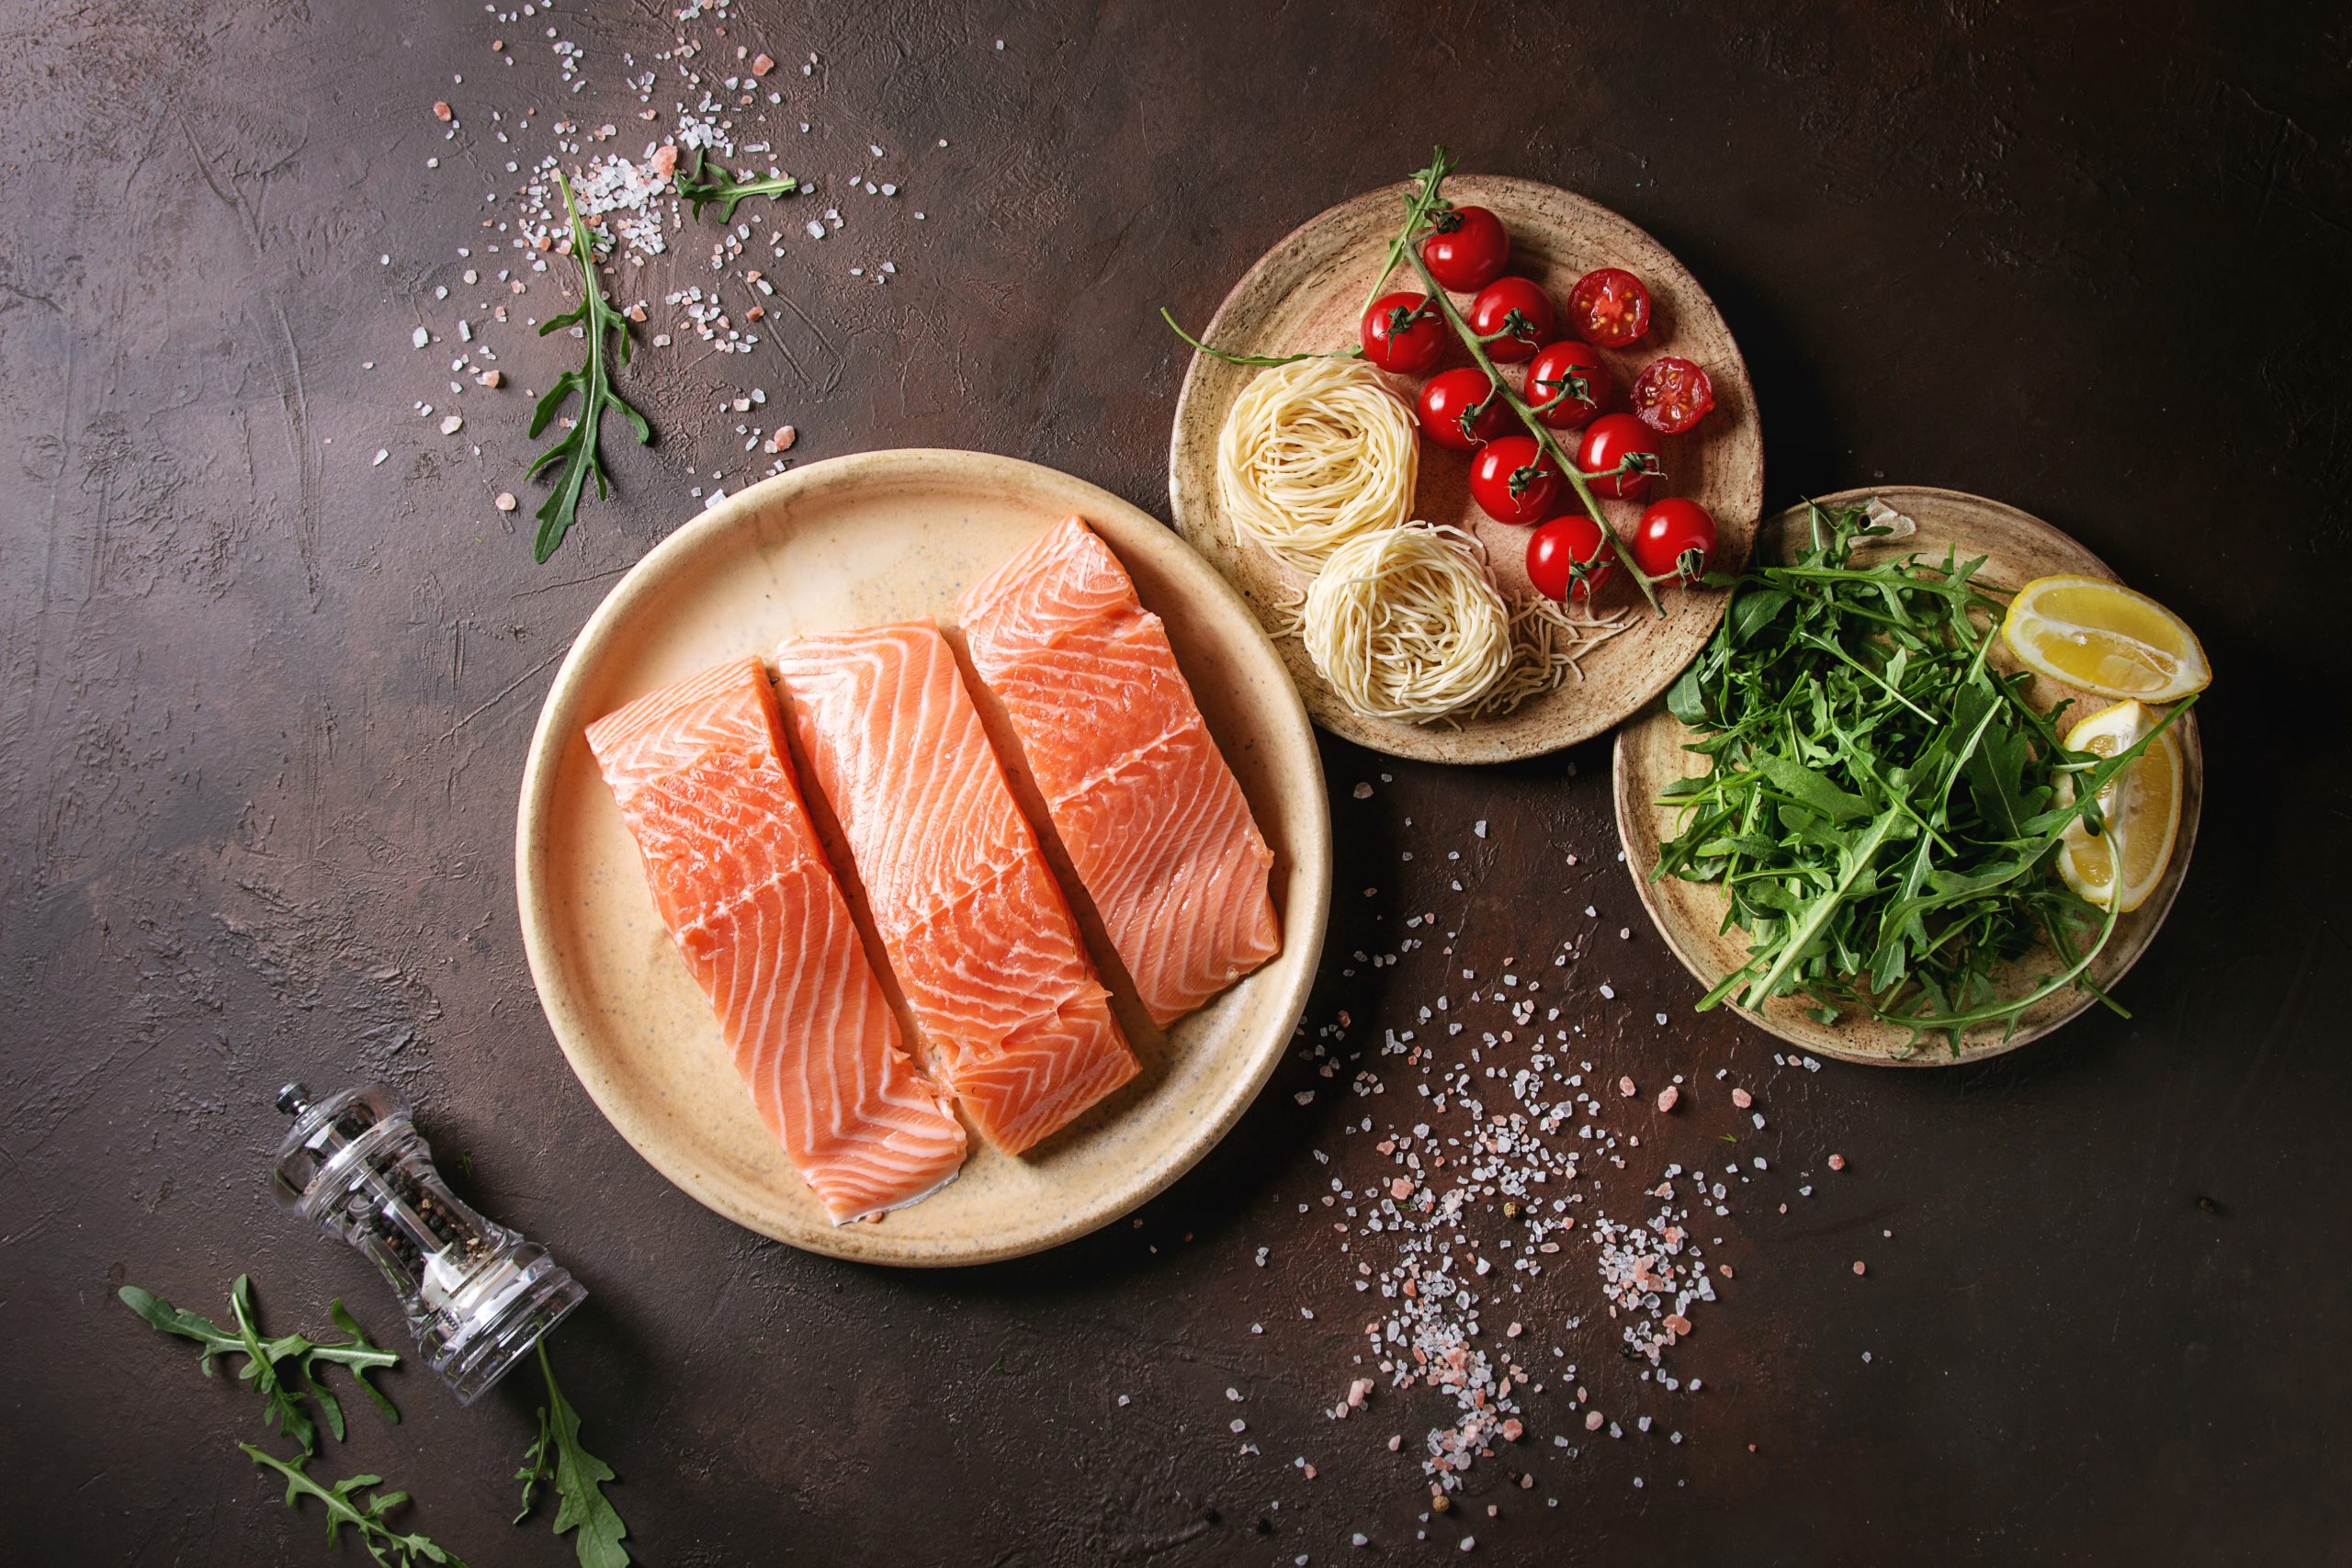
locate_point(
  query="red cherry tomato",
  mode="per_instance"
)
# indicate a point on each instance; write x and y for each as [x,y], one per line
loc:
[1450,409]
[1674,538]
[1609,443]
[1568,556]
[1575,377]
[1403,332]
[1518,308]
[1469,250]
[1513,481]
[1609,306]
[1671,395]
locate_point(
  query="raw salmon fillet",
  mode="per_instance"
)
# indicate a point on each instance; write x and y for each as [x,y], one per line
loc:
[1154,822]
[976,929]
[705,786]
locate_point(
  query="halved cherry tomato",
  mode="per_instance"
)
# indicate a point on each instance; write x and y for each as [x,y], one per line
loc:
[1572,380]
[1671,395]
[1675,538]
[1450,409]
[1403,332]
[1568,556]
[1609,306]
[1513,481]
[1619,455]
[1469,250]
[1518,308]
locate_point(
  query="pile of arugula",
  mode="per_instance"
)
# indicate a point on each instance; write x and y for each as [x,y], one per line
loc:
[1883,807]
[284,1370]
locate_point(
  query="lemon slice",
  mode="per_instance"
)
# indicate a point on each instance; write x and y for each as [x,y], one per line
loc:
[2101,637]
[2141,804]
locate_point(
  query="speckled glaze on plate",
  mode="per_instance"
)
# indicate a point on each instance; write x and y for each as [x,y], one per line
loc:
[2017,547]
[856,541]
[1305,294]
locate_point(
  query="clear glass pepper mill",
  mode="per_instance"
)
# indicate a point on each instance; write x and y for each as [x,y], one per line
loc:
[477,1295]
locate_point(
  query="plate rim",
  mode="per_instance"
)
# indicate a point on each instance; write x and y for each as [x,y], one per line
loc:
[1425,742]
[2078,1002]
[1307,922]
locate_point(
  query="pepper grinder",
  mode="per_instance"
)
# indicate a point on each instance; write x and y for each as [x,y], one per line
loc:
[477,1295]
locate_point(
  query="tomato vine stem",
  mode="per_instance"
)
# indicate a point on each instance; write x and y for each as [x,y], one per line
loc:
[1549,443]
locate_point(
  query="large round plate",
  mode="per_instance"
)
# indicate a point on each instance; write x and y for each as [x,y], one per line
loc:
[2017,548]
[1306,293]
[857,541]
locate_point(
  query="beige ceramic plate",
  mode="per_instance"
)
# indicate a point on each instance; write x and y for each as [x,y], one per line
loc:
[856,541]
[2017,548]
[1306,293]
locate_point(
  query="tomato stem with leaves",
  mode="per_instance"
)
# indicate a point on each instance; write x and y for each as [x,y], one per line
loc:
[1421,208]
[1563,458]
[576,453]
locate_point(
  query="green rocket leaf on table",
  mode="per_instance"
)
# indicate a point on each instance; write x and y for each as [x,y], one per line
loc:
[706,183]
[345,1507]
[576,456]
[579,1476]
[268,1361]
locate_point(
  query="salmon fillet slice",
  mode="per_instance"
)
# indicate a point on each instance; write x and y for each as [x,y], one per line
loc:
[977,931]
[706,789]
[1155,823]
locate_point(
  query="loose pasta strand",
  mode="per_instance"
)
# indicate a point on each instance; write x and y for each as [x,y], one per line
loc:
[1546,644]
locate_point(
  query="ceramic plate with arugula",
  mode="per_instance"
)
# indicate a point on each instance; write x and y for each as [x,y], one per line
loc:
[1929,790]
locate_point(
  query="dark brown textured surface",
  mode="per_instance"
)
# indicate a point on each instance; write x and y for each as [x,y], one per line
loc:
[264,706]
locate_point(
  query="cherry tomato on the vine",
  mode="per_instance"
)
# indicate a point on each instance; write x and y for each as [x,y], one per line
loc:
[1469,250]
[1609,306]
[1518,308]
[1675,538]
[1403,332]
[1513,481]
[1671,395]
[1568,556]
[1574,383]
[1450,410]
[1609,443]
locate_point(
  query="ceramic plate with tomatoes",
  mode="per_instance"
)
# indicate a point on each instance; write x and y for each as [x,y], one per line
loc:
[1641,376]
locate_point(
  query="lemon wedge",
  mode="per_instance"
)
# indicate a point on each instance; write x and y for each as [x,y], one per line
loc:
[2099,636]
[2126,860]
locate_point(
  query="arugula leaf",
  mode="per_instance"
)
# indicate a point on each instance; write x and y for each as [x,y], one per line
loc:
[699,188]
[576,454]
[345,1507]
[266,1358]
[580,1478]
[534,1468]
